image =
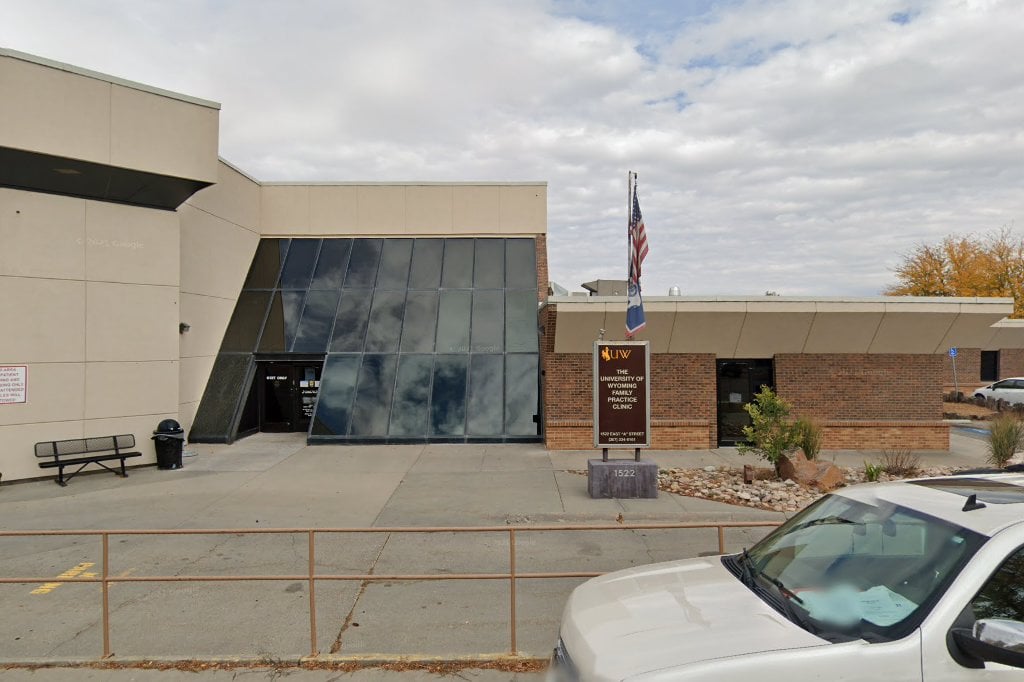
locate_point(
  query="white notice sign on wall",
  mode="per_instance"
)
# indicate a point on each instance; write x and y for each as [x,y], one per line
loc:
[13,384]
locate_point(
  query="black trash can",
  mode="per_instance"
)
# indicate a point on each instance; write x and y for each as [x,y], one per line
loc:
[169,439]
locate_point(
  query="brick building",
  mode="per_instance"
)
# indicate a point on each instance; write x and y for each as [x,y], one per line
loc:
[871,371]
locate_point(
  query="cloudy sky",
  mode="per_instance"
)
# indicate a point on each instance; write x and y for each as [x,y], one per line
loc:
[793,146]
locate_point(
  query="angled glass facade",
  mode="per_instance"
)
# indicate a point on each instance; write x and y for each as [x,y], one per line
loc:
[426,339]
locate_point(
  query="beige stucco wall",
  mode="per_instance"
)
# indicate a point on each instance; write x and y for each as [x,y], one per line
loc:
[219,235]
[738,327]
[404,209]
[90,303]
[65,111]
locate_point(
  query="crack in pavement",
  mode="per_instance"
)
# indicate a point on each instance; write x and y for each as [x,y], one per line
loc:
[336,646]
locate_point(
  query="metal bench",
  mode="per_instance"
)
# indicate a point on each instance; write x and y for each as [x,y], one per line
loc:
[62,453]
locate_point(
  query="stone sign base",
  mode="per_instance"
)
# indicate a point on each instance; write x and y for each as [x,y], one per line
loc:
[622,478]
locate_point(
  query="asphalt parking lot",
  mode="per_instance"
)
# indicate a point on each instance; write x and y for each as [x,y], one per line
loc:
[276,481]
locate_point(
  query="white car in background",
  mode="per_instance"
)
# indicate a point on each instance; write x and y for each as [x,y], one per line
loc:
[917,580]
[1011,390]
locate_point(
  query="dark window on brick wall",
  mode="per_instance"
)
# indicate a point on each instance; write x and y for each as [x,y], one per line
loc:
[989,365]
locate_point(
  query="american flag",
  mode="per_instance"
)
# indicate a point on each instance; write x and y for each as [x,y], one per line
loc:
[638,241]
[635,319]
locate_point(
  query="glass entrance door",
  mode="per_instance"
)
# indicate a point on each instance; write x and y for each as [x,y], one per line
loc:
[738,381]
[288,393]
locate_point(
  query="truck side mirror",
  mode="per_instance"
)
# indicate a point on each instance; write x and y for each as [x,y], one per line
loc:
[997,640]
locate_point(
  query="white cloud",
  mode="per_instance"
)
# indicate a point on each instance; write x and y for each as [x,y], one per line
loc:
[785,145]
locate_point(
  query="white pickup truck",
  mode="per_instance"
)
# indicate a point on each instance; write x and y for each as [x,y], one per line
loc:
[914,580]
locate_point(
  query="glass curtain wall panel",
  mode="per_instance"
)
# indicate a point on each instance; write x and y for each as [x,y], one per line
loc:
[282,322]
[486,392]
[337,391]
[331,265]
[425,339]
[298,266]
[316,322]
[411,397]
[266,264]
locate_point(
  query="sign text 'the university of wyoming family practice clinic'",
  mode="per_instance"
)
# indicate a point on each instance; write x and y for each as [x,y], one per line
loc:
[622,404]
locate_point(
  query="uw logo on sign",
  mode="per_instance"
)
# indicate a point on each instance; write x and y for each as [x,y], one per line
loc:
[608,354]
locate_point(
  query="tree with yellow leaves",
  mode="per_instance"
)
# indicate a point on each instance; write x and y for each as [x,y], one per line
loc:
[992,265]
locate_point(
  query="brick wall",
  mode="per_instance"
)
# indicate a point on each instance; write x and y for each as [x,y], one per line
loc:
[1011,362]
[855,386]
[862,402]
[541,244]
[868,401]
[682,398]
[968,370]
[884,435]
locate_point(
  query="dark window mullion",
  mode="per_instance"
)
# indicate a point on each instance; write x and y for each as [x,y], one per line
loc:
[284,259]
[355,395]
[298,319]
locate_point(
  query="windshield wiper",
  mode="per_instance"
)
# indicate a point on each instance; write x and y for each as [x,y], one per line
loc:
[751,572]
[783,590]
[824,521]
[746,565]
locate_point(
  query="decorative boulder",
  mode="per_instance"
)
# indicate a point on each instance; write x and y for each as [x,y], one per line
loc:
[824,476]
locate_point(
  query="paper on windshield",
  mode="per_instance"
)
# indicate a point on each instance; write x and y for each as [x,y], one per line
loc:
[845,605]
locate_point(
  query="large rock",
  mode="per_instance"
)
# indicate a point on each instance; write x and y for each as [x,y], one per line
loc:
[824,476]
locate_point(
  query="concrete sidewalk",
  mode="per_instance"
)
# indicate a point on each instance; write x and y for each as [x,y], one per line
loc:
[276,481]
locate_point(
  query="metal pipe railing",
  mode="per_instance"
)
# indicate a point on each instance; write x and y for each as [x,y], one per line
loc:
[310,577]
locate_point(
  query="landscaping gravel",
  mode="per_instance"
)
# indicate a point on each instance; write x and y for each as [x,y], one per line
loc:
[725,484]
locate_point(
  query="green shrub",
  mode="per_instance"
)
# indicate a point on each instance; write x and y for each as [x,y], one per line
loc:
[770,434]
[1005,437]
[808,437]
[872,472]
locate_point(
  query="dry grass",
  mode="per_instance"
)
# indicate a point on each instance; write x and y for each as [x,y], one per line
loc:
[1005,438]
[966,411]
[901,462]
[512,664]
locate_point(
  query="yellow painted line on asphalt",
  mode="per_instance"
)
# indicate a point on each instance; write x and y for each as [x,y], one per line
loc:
[78,571]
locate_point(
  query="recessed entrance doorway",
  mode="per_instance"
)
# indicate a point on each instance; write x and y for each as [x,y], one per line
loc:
[738,381]
[287,394]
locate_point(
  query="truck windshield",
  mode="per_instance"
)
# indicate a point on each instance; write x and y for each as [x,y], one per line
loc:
[850,570]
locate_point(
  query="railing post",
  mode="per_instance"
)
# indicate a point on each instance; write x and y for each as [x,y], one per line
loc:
[721,540]
[313,651]
[105,590]
[512,589]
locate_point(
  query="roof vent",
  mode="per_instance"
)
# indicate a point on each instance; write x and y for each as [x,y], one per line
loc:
[674,291]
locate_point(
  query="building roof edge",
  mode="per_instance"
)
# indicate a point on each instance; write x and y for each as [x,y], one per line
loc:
[98,75]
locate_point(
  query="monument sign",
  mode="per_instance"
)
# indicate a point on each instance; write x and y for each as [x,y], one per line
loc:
[622,419]
[622,399]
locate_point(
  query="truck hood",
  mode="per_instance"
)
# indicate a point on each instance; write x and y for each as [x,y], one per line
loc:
[668,615]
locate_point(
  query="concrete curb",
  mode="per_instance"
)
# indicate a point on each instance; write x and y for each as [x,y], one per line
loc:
[372,660]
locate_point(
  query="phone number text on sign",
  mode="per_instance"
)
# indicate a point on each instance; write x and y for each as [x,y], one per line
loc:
[13,384]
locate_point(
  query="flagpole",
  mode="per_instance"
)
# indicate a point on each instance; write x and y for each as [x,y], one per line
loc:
[629,216]
[630,179]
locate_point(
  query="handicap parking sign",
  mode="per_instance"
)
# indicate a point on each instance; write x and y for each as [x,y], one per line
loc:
[952,352]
